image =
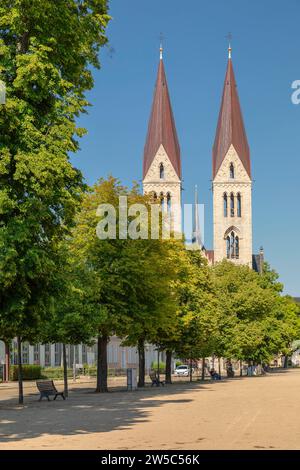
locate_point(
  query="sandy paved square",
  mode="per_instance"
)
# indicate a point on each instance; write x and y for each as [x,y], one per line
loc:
[247,413]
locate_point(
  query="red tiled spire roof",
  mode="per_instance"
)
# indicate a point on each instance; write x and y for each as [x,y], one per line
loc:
[230,129]
[161,128]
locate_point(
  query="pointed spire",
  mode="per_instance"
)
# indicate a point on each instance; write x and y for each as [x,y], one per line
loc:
[161,128]
[230,129]
[196,236]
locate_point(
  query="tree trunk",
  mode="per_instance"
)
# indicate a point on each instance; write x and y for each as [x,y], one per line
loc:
[168,367]
[7,363]
[203,369]
[65,367]
[285,363]
[102,365]
[219,365]
[141,352]
[191,370]
[20,371]
[241,368]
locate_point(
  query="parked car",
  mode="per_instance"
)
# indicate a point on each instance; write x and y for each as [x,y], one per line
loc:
[183,370]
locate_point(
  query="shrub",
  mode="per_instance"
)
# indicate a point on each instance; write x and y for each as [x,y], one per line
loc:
[30,372]
[162,366]
[55,373]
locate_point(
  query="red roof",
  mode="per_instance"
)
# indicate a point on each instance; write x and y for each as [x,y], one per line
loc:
[161,128]
[230,129]
[210,254]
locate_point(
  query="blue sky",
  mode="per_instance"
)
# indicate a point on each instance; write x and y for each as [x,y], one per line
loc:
[266,44]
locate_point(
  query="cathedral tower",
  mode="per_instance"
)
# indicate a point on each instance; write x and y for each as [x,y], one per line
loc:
[232,182]
[162,165]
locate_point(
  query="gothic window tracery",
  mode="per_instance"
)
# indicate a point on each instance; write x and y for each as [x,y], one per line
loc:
[231,171]
[232,246]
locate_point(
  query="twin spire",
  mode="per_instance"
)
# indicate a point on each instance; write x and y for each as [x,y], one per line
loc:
[161,128]
[230,128]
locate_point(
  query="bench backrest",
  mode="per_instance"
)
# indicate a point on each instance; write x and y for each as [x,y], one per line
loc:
[46,386]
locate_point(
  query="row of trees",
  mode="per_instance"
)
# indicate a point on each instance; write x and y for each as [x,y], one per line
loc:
[158,292]
[60,282]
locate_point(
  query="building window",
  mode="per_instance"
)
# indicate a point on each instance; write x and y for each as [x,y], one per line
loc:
[57,354]
[84,354]
[232,205]
[161,171]
[239,205]
[169,203]
[232,246]
[154,196]
[25,353]
[36,354]
[225,202]
[231,170]
[47,354]
[14,352]
[162,202]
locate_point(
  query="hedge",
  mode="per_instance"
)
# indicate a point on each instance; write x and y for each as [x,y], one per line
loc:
[55,373]
[162,367]
[30,372]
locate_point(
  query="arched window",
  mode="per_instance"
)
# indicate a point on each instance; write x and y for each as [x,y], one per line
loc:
[232,245]
[161,171]
[231,170]
[232,205]
[225,202]
[239,205]
[162,201]
[154,195]
[169,203]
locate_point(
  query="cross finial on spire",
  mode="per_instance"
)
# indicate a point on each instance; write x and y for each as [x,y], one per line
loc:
[161,38]
[229,37]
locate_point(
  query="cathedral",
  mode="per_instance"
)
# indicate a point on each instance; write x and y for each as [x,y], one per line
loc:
[231,173]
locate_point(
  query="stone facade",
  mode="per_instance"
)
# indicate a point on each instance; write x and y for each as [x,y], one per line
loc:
[169,184]
[224,226]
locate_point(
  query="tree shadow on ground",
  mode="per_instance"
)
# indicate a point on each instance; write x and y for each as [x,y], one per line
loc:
[86,412]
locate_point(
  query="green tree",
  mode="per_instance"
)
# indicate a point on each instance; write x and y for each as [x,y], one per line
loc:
[125,285]
[46,53]
[198,310]
[257,322]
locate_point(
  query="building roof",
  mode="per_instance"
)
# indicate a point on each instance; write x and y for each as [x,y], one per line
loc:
[210,255]
[230,128]
[161,128]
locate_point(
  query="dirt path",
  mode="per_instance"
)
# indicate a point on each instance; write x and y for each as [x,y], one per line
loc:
[248,413]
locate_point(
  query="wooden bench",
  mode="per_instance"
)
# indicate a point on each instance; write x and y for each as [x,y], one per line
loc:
[47,388]
[155,380]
